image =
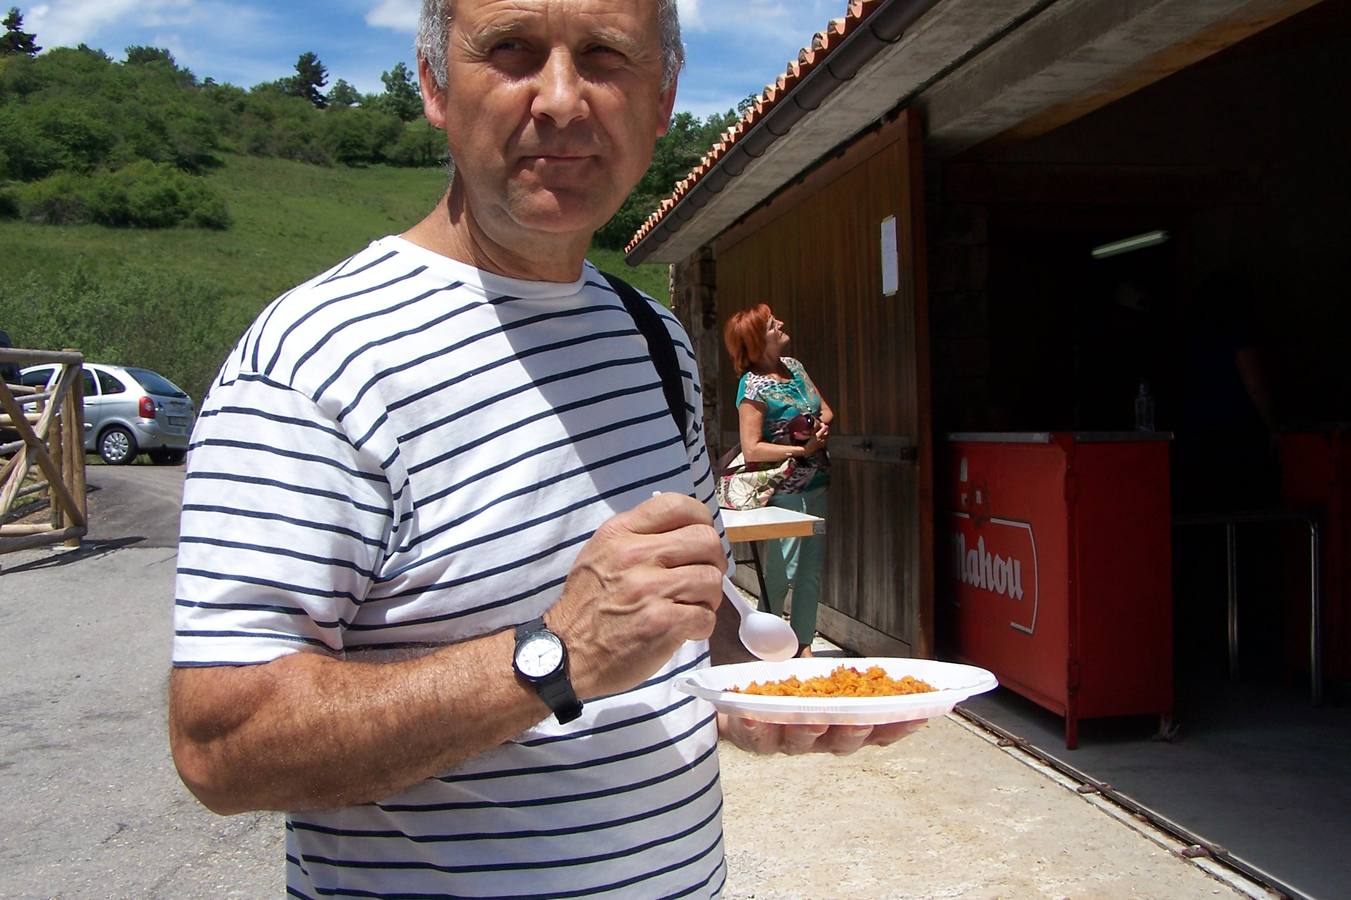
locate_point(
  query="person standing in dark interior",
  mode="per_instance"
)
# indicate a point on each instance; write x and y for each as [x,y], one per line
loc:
[1119,339]
[1225,418]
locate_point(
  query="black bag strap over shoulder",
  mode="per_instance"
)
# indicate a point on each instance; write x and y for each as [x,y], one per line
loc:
[660,347]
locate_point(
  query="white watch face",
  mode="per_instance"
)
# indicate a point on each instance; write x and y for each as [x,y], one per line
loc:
[540,654]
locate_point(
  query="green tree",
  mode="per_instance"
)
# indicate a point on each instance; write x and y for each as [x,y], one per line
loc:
[343,96]
[269,121]
[142,195]
[676,153]
[40,139]
[360,136]
[15,40]
[421,144]
[146,56]
[87,50]
[401,97]
[160,61]
[171,131]
[309,80]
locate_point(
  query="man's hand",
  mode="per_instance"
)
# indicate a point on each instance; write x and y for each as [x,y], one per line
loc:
[764,737]
[647,580]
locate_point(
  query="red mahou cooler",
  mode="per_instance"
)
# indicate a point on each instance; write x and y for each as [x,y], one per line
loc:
[1059,564]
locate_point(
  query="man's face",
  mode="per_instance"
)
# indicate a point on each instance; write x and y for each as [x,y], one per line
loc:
[552,107]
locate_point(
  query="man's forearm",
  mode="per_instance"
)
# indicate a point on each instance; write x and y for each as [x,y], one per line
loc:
[312,732]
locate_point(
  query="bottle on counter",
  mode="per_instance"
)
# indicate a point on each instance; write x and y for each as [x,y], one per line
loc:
[1144,408]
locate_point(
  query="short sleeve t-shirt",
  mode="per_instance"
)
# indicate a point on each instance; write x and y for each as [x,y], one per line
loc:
[407,452]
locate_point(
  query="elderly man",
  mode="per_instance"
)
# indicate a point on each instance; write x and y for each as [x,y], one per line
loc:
[427,603]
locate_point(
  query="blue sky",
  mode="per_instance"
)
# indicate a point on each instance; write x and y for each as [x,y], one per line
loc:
[734,47]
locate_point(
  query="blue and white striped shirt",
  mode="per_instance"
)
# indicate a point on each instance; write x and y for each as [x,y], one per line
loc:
[407,451]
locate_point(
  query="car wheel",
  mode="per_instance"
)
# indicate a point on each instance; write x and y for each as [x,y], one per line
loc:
[167,456]
[117,447]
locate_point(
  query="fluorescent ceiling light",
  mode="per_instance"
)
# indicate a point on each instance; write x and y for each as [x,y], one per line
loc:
[1139,242]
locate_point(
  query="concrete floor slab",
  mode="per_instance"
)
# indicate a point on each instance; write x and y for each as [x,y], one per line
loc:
[1255,768]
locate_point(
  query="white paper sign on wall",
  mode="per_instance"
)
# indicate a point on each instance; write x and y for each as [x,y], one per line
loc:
[891,258]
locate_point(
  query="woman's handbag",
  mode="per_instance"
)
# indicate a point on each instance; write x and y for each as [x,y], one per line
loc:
[743,485]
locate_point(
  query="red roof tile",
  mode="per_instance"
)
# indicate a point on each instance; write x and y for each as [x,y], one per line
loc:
[823,43]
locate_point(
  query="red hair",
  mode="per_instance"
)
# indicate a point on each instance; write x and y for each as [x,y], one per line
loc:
[744,335]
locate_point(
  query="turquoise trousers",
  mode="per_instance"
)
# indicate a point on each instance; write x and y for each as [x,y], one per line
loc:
[797,562]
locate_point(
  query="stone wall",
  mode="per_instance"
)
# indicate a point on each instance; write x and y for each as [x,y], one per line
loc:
[694,301]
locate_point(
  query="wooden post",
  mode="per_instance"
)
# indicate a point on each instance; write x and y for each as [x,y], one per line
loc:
[52,432]
[37,487]
[54,441]
[41,540]
[75,447]
[14,471]
[37,446]
[17,530]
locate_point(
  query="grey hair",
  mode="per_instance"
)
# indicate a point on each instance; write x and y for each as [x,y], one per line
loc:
[433,39]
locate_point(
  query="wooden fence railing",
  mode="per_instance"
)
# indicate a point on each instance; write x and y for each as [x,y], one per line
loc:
[47,458]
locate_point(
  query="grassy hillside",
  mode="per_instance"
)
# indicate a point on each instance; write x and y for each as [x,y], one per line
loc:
[652,279]
[291,221]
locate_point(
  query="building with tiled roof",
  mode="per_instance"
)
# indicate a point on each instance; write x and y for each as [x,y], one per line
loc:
[1005,216]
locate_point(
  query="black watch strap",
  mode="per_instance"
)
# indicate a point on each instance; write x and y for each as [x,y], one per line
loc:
[561,698]
[528,628]
[555,689]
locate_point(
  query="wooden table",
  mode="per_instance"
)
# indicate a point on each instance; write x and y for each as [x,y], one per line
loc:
[746,526]
[769,523]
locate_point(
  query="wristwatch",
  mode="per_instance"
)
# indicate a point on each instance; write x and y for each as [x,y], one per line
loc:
[541,661]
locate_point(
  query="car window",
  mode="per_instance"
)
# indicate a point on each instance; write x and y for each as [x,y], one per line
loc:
[109,384]
[36,378]
[156,383]
[87,377]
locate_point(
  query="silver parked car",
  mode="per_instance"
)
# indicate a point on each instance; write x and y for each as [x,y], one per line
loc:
[128,411]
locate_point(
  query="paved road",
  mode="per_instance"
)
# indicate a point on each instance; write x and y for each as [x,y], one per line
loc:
[135,503]
[90,805]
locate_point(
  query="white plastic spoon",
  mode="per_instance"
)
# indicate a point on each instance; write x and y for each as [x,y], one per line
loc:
[765,635]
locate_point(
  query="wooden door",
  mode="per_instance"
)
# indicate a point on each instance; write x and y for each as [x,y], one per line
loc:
[814,254]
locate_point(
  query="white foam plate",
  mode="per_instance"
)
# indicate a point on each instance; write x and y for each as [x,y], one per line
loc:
[954,683]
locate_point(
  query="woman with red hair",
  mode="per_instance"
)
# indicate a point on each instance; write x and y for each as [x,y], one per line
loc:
[781,415]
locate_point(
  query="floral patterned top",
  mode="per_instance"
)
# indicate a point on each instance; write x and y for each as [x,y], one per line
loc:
[783,400]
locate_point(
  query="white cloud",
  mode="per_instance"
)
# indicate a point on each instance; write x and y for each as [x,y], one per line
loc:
[66,23]
[765,20]
[229,41]
[690,16]
[396,15]
[174,43]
